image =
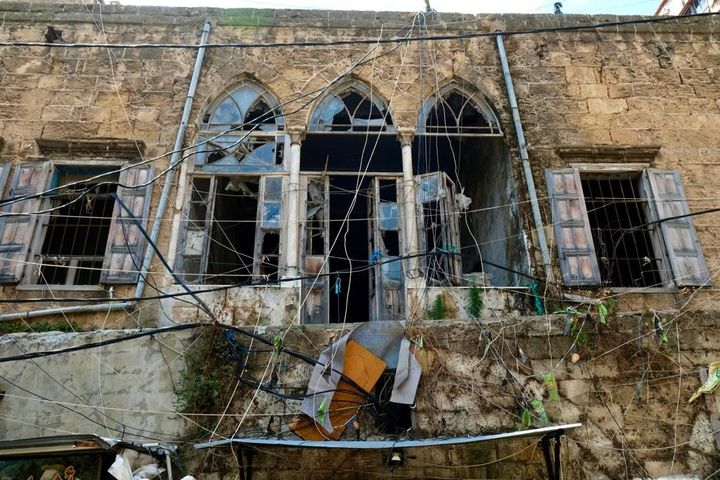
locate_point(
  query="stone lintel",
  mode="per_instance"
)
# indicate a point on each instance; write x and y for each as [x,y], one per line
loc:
[95,148]
[608,153]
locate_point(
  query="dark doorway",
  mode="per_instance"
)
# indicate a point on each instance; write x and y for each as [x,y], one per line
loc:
[349,297]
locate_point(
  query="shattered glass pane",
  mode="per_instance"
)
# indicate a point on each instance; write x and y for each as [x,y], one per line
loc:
[430,188]
[273,188]
[258,159]
[392,275]
[388,216]
[351,110]
[323,117]
[270,215]
[245,97]
[245,108]
[227,113]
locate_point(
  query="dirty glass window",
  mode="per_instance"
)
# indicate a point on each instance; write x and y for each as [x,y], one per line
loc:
[242,133]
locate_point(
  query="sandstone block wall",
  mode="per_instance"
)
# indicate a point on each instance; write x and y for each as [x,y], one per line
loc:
[625,85]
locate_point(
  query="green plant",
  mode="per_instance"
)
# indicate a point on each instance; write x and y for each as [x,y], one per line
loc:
[208,367]
[438,309]
[475,302]
[52,326]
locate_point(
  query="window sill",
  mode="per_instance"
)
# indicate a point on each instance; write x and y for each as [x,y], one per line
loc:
[642,290]
[60,288]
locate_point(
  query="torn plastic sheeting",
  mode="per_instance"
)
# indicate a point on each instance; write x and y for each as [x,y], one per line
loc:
[407,375]
[364,369]
[132,465]
[323,382]
[711,384]
[382,342]
[382,339]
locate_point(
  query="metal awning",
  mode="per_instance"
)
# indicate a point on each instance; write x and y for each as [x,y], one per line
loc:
[385,444]
[80,443]
[56,444]
[549,441]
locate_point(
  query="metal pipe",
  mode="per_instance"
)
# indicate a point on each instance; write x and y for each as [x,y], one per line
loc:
[165,195]
[168,464]
[527,171]
[103,307]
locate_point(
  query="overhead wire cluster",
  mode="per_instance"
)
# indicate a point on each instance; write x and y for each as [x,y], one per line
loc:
[421,38]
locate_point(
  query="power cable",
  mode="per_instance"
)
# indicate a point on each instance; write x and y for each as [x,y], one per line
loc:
[333,43]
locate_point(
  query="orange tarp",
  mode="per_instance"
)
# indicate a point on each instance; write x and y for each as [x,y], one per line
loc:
[363,368]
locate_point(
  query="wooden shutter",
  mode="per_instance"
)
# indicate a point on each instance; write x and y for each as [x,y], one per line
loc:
[124,252]
[679,236]
[16,231]
[578,261]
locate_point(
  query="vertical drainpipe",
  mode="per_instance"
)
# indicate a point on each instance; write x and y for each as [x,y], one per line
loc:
[527,171]
[177,152]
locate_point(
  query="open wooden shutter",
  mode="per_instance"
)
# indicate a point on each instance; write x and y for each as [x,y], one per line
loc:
[679,236]
[16,231]
[578,261]
[124,252]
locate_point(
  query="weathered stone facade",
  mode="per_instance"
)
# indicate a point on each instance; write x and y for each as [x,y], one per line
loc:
[619,98]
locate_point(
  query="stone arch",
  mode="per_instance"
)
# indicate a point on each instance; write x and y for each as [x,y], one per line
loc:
[456,107]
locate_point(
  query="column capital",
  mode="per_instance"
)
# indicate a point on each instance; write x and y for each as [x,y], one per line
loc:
[297,133]
[405,135]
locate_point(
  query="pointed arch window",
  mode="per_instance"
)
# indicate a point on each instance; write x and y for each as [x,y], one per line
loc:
[452,111]
[233,215]
[356,108]
[242,133]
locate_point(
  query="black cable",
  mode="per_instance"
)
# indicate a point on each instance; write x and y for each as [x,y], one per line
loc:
[331,43]
[270,115]
[110,341]
[123,431]
[249,283]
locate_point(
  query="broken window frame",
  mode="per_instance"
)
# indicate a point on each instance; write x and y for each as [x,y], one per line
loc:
[443,266]
[261,228]
[387,282]
[70,262]
[242,145]
[244,148]
[124,247]
[315,288]
[321,120]
[675,242]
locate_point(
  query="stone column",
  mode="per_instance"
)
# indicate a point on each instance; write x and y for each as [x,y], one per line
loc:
[406,135]
[297,134]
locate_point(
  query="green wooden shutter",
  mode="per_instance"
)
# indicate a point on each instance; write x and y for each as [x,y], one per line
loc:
[679,237]
[578,261]
[124,251]
[16,229]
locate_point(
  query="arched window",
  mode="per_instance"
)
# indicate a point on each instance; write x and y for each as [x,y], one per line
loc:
[451,111]
[242,133]
[355,108]
[233,216]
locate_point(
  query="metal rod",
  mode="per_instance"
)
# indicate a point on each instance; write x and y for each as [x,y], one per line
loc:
[176,155]
[527,171]
[103,307]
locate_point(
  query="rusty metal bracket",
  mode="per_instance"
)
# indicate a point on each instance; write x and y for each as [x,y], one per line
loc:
[553,465]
